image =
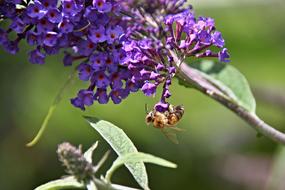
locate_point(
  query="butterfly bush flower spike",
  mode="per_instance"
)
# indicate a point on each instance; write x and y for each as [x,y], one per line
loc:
[119,47]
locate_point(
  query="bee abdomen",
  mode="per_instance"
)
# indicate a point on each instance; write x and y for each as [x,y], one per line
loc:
[174,117]
[179,109]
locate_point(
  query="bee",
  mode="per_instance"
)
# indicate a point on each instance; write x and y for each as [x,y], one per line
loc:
[166,121]
[169,118]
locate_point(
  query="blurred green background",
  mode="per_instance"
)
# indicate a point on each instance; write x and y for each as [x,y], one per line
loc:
[217,150]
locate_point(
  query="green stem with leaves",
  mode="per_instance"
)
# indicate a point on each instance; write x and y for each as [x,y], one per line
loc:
[52,108]
[193,77]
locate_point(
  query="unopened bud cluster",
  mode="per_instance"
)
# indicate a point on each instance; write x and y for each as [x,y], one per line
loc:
[74,162]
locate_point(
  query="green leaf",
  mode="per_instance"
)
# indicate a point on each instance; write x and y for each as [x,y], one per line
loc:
[135,157]
[122,145]
[229,80]
[89,153]
[184,83]
[91,186]
[66,183]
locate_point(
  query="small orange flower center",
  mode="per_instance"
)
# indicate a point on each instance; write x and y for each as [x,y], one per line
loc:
[115,76]
[108,61]
[131,85]
[116,93]
[68,6]
[36,10]
[98,35]
[101,77]
[98,61]
[90,45]
[100,4]
[88,70]
[52,14]
[113,36]
[46,4]
[43,22]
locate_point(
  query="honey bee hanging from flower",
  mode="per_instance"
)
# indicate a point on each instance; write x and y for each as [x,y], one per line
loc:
[166,121]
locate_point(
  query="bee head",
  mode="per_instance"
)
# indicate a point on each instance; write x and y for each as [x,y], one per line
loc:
[149,118]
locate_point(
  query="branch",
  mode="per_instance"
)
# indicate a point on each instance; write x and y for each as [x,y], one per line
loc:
[193,77]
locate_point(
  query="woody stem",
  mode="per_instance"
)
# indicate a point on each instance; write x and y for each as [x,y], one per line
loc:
[193,77]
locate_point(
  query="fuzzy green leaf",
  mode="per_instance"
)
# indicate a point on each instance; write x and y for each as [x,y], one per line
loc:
[135,157]
[65,183]
[229,80]
[122,145]
[89,153]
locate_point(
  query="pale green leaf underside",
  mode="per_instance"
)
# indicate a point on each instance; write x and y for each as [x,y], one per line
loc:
[60,184]
[91,186]
[229,80]
[88,154]
[122,145]
[135,157]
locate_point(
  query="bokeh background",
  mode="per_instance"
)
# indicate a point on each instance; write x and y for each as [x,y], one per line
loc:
[217,151]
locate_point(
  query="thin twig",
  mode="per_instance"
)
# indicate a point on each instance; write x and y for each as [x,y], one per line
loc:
[192,76]
[52,108]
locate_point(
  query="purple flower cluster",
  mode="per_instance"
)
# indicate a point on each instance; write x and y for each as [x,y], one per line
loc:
[122,46]
[151,36]
[194,37]
[90,30]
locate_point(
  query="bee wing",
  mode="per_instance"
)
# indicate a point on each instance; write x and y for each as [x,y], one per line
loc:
[170,134]
[177,129]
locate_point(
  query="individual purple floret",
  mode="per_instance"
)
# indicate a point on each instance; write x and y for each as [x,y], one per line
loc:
[54,15]
[102,6]
[36,57]
[36,10]
[149,89]
[84,98]
[97,35]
